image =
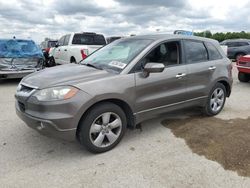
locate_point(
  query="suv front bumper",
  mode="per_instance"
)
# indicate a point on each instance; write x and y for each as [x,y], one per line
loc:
[58,119]
[46,127]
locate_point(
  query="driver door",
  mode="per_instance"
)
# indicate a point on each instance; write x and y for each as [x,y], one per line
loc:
[159,91]
[58,51]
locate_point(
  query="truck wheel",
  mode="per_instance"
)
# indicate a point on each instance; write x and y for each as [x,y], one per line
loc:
[51,62]
[243,77]
[216,100]
[72,60]
[102,127]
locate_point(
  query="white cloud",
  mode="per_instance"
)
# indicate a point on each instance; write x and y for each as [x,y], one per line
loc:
[53,18]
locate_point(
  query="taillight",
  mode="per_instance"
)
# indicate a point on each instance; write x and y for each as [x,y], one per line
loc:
[47,50]
[84,53]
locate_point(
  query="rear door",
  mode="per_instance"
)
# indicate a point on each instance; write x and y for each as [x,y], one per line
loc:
[158,91]
[200,70]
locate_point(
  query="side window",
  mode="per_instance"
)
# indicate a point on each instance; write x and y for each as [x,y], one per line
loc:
[66,40]
[233,44]
[213,53]
[243,43]
[167,53]
[195,51]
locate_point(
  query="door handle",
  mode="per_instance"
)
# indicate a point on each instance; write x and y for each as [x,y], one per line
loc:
[65,49]
[212,68]
[180,75]
[59,50]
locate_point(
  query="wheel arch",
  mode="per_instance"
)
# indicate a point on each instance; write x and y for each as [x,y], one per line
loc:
[227,86]
[72,58]
[122,104]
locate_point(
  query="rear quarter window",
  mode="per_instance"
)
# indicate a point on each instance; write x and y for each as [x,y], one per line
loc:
[213,52]
[87,39]
[195,51]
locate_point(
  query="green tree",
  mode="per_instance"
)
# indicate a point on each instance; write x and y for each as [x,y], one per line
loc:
[223,36]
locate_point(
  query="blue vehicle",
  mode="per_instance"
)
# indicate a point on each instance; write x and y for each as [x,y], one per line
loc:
[183,32]
[19,57]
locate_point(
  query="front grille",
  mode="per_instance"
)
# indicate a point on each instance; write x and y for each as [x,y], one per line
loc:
[21,106]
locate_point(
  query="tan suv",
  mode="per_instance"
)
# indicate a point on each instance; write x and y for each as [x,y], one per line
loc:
[123,84]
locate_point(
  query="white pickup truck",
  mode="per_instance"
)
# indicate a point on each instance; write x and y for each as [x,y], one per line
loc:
[72,48]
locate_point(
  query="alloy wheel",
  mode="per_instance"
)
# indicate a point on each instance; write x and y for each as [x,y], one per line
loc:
[217,100]
[105,129]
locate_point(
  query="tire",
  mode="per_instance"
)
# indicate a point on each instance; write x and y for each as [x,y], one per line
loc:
[243,77]
[102,127]
[216,100]
[51,62]
[72,60]
[41,64]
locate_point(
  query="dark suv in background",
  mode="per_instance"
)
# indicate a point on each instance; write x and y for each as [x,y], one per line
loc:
[237,47]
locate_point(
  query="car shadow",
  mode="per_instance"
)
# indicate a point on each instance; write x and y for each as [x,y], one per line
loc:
[10,82]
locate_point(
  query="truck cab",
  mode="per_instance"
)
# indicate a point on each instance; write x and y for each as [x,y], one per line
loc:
[74,47]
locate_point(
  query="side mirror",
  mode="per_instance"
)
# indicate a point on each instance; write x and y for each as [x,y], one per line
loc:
[152,68]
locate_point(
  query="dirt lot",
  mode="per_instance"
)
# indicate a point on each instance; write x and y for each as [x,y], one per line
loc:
[153,157]
[224,141]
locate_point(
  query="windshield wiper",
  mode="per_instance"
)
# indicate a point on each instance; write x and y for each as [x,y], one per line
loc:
[92,65]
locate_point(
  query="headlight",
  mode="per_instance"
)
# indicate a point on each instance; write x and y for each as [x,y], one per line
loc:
[56,93]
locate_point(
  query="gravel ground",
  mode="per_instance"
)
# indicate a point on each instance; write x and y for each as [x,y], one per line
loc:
[153,157]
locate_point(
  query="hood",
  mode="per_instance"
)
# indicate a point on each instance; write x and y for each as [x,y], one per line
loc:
[70,74]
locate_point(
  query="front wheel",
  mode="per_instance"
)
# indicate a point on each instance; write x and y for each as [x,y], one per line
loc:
[51,62]
[216,100]
[102,128]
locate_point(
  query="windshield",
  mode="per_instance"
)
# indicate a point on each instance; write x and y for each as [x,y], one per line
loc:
[117,55]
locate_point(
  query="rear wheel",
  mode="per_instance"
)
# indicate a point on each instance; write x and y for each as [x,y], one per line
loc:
[216,100]
[72,60]
[102,128]
[243,77]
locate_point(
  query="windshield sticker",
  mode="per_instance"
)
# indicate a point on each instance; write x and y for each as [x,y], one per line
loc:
[117,64]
